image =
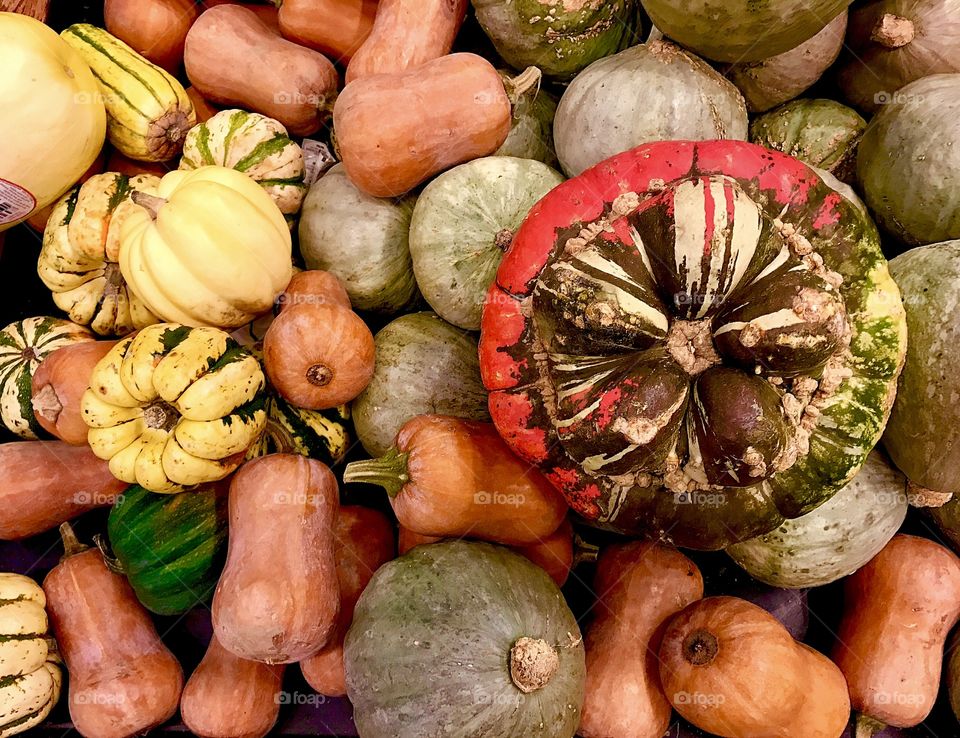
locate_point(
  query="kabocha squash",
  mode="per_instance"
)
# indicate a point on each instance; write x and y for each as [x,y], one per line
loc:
[170,547]
[52,105]
[209,248]
[336,27]
[81,249]
[171,407]
[462,225]
[452,477]
[487,647]
[156,29]
[640,312]
[651,92]
[23,345]
[148,111]
[255,145]
[531,129]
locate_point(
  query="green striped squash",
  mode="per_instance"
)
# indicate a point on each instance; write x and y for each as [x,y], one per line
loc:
[317,434]
[170,547]
[23,345]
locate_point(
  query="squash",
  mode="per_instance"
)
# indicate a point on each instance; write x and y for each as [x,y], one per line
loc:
[54,108]
[789,606]
[742,30]
[323,435]
[464,222]
[898,610]
[623,694]
[915,139]
[573,290]
[731,668]
[316,287]
[952,677]
[335,27]
[30,671]
[559,39]
[38,9]
[183,236]
[892,43]
[148,111]
[297,87]
[946,518]
[230,697]
[38,221]
[388,146]
[277,599]
[255,145]
[531,129]
[123,679]
[171,407]
[46,483]
[770,82]
[363,240]
[23,345]
[170,547]
[651,92]
[204,109]
[821,133]
[835,539]
[423,365]
[464,638]
[58,386]
[364,542]
[407,34]
[155,29]
[451,477]
[79,259]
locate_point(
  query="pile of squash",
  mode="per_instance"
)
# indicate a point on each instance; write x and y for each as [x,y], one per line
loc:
[578,284]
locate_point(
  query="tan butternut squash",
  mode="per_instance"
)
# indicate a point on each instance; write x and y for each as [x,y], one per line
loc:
[155,29]
[314,287]
[335,27]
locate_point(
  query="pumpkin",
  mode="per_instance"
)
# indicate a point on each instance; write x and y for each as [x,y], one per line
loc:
[363,240]
[651,92]
[30,671]
[255,145]
[335,27]
[155,28]
[742,30]
[464,222]
[622,348]
[835,539]
[464,638]
[79,259]
[915,139]
[53,105]
[821,133]
[559,39]
[170,547]
[531,128]
[424,365]
[171,407]
[23,345]
[214,234]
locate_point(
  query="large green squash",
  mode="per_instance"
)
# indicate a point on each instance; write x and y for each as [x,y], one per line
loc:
[464,639]
[531,128]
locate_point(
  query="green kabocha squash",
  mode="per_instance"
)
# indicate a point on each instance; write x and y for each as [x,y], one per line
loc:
[171,547]
[23,345]
[253,144]
[531,129]
[464,223]
[464,639]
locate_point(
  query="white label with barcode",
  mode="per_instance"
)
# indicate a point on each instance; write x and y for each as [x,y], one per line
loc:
[317,159]
[16,203]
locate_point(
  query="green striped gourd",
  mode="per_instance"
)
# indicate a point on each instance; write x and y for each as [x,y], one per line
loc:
[317,434]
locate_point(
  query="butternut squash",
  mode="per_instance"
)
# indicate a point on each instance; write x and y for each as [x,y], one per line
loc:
[335,27]
[314,287]
[155,29]
[267,13]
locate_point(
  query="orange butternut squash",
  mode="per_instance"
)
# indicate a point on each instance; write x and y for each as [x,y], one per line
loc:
[312,287]
[156,29]
[335,27]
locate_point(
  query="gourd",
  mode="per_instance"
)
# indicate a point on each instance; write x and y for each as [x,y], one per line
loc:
[81,249]
[23,345]
[576,314]
[731,668]
[835,539]
[651,92]
[277,599]
[148,111]
[623,694]
[123,679]
[182,235]
[171,407]
[451,477]
[185,537]
[498,652]
[156,29]
[423,365]
[531,129]
[55,108]
[255,145]
[30,671]
[363,240]
[464,222]
[335,27]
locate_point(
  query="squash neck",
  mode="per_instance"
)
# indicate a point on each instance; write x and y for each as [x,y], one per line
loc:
[71,544]
[533,663]
[389,471]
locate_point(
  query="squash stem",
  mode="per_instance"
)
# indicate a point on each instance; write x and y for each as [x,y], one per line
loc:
[533,663]
[113,563]
[893,31]
[516,87]
[283,441]
[866,726]
[389,471]
[71,544]
[584,552]
[150,203]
